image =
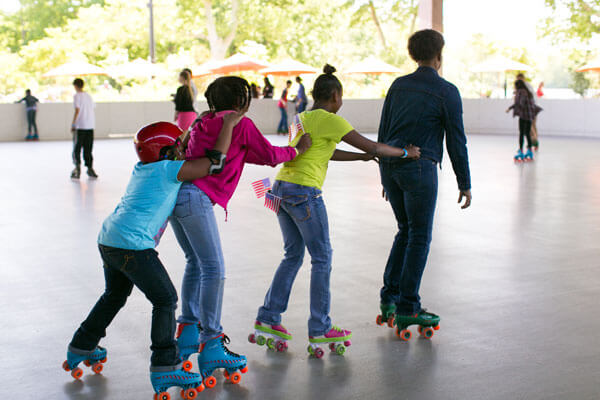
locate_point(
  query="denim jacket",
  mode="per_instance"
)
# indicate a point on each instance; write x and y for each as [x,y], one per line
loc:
[418,109]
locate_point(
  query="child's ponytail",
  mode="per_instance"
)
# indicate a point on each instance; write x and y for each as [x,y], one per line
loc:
[326,84]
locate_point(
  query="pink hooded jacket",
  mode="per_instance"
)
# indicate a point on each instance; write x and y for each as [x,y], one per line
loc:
[248,145]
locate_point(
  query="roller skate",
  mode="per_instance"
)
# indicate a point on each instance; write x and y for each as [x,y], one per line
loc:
[337,338]
[91,173]
[90,358]
[274,336]
[214,354]
[163,378]
[428,323]
[536,145]
[388,311]
[76,172]
[528,156]
[519,156]
[188,341]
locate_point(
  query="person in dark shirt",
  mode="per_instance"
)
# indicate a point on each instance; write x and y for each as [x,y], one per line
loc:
[420,109]
[31,109]
[268,90]
[301,100]
[185,114]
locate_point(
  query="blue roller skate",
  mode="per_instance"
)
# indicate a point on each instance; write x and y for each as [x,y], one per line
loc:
[163,378]
[91,358]
[213,355]
[528,156]
[519,156]
[188,341]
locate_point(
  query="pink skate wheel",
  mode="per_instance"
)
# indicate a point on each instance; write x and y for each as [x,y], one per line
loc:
[280,346]
[319,353]
[252,338]
[332,346]
[347,343]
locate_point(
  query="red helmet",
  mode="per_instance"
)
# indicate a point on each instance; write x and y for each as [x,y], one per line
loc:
[152,138]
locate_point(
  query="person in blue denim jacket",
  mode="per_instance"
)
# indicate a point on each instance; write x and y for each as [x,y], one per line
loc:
[420,109]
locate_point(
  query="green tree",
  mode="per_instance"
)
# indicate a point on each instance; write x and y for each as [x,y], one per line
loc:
[573,19]
[34,16]
[579,83]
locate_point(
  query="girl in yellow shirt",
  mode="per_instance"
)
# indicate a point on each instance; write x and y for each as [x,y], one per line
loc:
[303,218]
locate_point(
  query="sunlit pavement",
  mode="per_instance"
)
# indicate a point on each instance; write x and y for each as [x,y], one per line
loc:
[515,279]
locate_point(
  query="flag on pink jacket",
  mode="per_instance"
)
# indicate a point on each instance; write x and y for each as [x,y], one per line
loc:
[248,145]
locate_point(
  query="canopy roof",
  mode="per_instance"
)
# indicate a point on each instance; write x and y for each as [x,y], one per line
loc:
[77,68]
[372,66]
[288,67]
[500,64]
[238,63]
[591,66]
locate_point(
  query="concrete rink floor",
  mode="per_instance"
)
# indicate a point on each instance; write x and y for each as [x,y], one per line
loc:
[515,279]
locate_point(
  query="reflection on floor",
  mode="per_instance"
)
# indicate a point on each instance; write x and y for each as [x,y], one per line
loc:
[515,279]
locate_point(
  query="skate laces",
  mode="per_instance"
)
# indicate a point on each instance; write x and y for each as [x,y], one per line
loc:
[225,340]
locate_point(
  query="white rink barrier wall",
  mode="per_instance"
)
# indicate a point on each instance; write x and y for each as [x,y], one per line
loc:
[579,118]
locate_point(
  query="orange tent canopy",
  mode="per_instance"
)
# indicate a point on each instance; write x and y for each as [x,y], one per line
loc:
[288,68]
[591,66]
[238,63]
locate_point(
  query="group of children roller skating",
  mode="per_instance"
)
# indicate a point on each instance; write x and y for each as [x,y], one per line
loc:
[179,178]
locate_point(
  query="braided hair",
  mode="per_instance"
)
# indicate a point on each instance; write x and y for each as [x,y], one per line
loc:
[228,93]
[326,84]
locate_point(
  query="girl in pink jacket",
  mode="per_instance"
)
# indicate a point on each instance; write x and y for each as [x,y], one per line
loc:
[195,226]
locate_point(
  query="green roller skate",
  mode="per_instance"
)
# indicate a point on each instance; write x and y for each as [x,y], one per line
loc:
[428,324]
[388,311]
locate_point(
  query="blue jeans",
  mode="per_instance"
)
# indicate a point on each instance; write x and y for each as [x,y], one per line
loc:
[283,122]
[303,221]
[123,269]
[196,230]
[301,106]
[411,188]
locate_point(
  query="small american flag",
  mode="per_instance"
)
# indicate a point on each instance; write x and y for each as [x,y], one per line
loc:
[261,187]
[272,202]
[296,129]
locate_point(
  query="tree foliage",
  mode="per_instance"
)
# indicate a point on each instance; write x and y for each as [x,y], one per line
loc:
[573,18]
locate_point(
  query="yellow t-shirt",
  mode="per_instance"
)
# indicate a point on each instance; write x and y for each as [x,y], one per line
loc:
[326,131]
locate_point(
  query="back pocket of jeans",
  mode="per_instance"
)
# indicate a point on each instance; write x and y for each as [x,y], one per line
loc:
[182,206]
[297,206]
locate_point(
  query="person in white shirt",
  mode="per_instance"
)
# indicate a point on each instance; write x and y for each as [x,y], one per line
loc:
[83,130]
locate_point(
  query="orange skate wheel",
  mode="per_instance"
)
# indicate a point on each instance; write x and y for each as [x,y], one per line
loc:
[66,366]
[235,378]
[378,320]
[244,370]
[391,322]
[155,396]
[163,396]
[437,327]
[200,388]
[186,366]
[190,394]
[182,393]
[210,381]
[87,363]
[226,374]
[403,334]
[103,360]
[427,332]
[77,373]
[97,368]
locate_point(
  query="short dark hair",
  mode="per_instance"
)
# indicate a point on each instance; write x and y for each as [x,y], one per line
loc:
[425,45]
[298,79]
[189,71]
[78,83]
[228,93]
[520,75]
[288,82]
[28,91]
[326,84]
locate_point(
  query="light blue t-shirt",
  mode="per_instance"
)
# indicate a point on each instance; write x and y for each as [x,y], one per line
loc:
[141,216]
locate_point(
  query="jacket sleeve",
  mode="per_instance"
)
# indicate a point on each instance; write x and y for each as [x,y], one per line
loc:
[456,140]
[261,152]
